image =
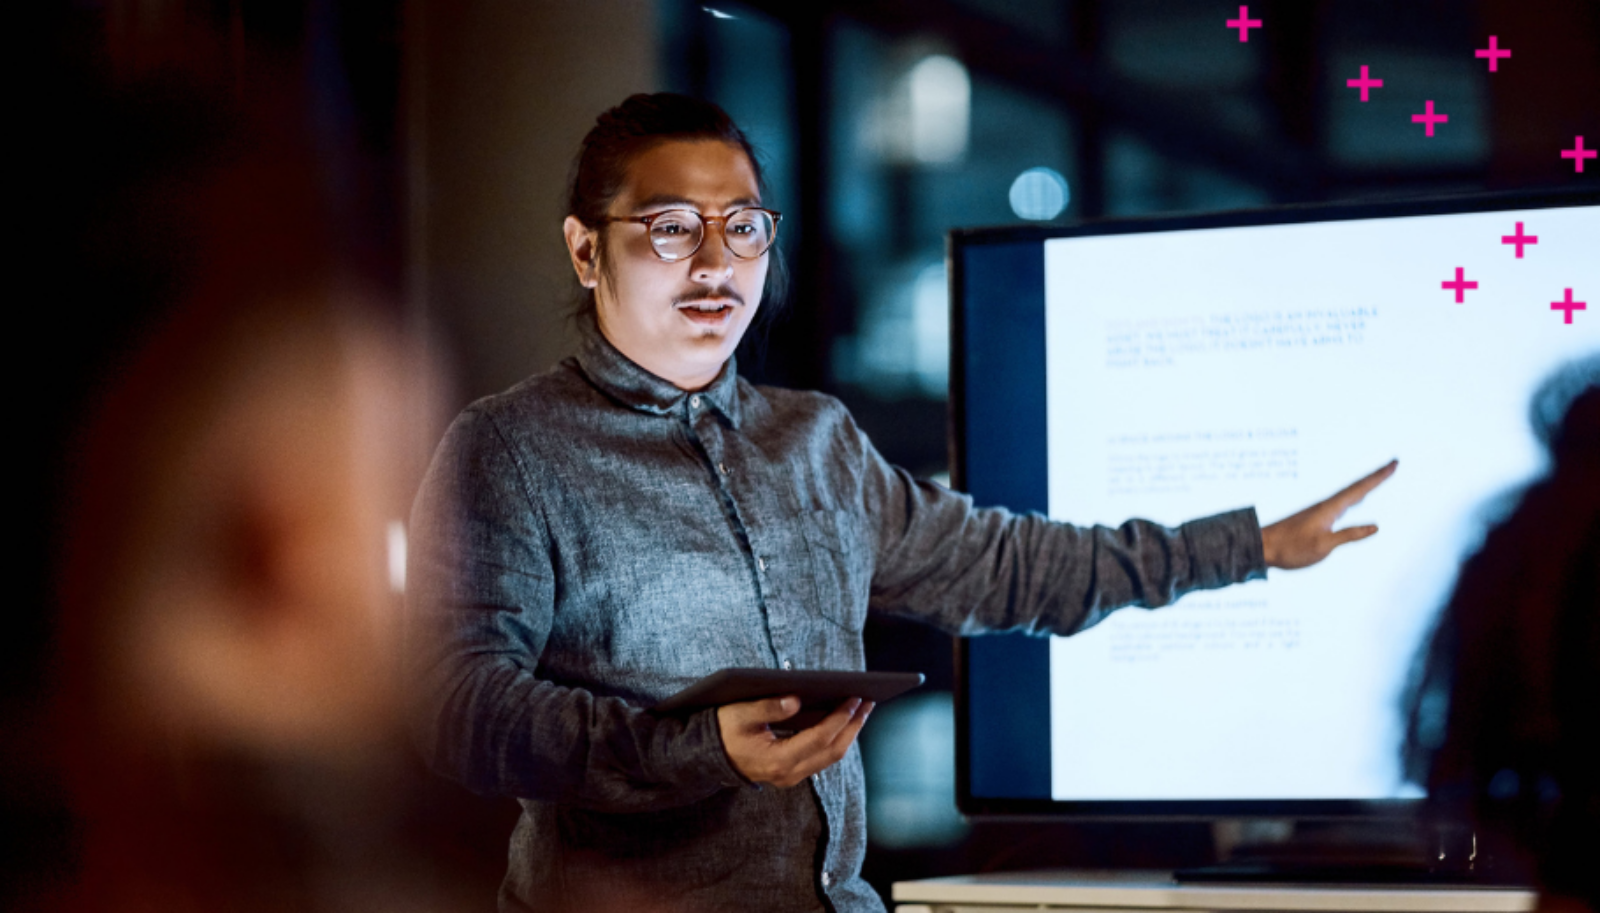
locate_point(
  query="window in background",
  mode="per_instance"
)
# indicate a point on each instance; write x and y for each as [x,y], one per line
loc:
[920,145]
[1140,180]
[1047,20]
[1158,44]
[1154,44]
[1379,134]
[1416,49]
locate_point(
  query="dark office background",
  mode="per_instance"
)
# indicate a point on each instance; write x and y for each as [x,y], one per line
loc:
[445,130]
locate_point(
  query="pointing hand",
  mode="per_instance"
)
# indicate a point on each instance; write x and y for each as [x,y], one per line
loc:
[1307,537]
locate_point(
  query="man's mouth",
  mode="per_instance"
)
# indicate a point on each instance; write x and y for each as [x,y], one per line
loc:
[706,307]
[707,311]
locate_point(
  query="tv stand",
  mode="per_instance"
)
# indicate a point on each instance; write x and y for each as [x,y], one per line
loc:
[1348,853]
[1334,873]
[1146,892]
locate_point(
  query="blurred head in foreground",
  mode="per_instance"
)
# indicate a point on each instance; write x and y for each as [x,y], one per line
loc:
[1505,723]
[229,699]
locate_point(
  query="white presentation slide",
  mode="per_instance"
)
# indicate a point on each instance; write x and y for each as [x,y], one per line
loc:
[1194,372]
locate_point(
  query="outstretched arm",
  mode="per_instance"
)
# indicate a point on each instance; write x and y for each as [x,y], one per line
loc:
[969,570]
[1304,538]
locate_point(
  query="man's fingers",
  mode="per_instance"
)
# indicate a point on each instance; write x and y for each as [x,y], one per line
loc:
[843,739]
[1307,537]
[1352,494]
[826,743]
[853,728]
[1353,533]
[829,728]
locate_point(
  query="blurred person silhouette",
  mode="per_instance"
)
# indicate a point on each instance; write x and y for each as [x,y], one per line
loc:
[226,640]
[1504,717]
[227,708]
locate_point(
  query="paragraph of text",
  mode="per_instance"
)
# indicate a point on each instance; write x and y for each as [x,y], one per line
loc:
[1158,342]
[1181,633]
[1181,462]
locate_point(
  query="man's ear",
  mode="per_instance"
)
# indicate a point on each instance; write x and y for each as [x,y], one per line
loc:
[583,246]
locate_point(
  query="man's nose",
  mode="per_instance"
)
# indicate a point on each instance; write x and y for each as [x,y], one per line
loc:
[713,262]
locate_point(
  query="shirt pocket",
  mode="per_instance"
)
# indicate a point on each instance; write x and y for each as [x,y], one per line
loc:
[841,566]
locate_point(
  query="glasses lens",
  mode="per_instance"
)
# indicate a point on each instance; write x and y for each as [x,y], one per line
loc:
[676,234]
[750,233]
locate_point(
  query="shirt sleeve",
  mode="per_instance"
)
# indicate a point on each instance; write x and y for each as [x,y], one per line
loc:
[480,602]
[972,570]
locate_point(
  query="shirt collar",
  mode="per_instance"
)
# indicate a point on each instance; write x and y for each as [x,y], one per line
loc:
[633,386]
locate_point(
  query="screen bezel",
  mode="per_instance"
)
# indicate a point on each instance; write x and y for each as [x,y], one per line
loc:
[958,242]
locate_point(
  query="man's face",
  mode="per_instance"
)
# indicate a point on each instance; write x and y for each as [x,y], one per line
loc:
[679,320]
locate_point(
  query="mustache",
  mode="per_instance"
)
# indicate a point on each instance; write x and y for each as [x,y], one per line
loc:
[707,294]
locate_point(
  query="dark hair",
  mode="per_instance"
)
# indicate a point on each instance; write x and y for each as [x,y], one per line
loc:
[633,127]
[1501,721]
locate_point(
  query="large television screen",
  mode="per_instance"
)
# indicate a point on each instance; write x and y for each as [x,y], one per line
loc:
[1174,368]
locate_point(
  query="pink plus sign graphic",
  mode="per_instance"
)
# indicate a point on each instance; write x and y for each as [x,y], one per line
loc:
[1430,118]
[1244,23]
[1569,306]
[1578,154]
[1519,239]
[1494,52]
[1365,84]
[1460,285]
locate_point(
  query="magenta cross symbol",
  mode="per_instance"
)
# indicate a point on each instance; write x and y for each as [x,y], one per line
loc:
[1494,52]
[1577,153]
[1519,239]
[1460,285]
[1569,306]
[1431,118]
[1244,23]
[1364,83]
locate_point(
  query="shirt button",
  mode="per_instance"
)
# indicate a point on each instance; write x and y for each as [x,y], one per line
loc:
[827,879]
[761,562]
[787,666]
[694,402]
[722,468]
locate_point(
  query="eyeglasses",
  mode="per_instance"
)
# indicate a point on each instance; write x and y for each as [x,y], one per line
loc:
[677,233]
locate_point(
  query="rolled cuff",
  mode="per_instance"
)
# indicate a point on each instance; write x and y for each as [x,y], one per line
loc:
[710,757]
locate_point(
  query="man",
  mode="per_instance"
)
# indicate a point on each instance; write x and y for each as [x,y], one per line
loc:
[598,537]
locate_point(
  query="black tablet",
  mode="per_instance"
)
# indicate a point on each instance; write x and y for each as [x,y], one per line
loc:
[820,691]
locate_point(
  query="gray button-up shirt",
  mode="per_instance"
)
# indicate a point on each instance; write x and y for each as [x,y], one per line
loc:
[595,539]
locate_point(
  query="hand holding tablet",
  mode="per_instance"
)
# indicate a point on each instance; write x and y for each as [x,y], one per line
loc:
[758,708]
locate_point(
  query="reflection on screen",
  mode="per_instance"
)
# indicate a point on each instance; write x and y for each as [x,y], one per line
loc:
[1191,372]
